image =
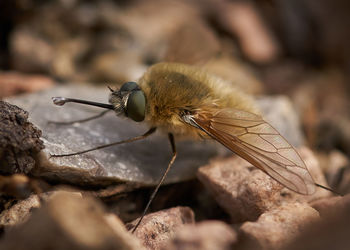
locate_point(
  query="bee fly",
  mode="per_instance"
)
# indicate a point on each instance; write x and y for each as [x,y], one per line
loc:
[181,100]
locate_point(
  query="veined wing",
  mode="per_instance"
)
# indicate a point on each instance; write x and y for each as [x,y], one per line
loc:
[255,140]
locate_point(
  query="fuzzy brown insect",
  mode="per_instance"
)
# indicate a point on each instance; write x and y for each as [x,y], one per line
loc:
[185,101]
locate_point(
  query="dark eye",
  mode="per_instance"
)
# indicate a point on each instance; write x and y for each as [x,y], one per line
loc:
[136,106]
[129,86]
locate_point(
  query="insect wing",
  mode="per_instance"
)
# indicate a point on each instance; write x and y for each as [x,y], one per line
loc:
[255,140]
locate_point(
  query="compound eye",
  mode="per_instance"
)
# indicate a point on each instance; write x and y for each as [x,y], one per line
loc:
[136,106]
[129,86]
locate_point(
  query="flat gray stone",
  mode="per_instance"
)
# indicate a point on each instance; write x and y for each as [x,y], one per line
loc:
[142,162]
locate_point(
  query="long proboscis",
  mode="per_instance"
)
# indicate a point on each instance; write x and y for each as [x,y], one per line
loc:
[60,101]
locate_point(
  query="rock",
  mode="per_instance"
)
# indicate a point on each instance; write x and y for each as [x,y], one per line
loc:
[281,114]
[316,172]
[140,162]
[241,190]
[344,202]
[12,83]
[119,229]
[25,55]
[161,25]
[326,206]
[332,232]
[193,42]
[330,206]
[276,228]
[72,34]
[20,212]
[118,66]
[68,222]
[243,21]
[19,140]
[157,228]
[245,192]
[206,235]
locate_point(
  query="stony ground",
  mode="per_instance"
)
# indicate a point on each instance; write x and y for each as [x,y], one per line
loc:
[293,56]
[232,204]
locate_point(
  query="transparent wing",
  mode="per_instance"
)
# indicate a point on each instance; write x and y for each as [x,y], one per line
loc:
[255,140]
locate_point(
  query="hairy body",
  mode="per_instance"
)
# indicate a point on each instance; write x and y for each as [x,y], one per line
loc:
[175,89]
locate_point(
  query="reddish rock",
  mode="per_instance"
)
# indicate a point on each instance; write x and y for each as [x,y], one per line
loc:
[207,235]
[256,40]
[245,192]
[277,227]
[325,205]
[12,83]
[332,232]
[241,189]
[316,172]
[330,206]
[157,228]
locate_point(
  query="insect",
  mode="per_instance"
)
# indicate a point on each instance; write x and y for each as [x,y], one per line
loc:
[183,100]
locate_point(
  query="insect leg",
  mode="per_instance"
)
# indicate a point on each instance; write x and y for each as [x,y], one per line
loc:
[82,120]
[137,138]
[173,147]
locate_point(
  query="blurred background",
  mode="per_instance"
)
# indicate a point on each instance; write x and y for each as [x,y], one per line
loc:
[296,48]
